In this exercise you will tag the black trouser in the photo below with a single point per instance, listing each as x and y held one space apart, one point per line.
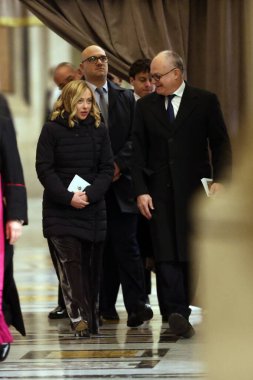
173 278
54 260
79 267
122 252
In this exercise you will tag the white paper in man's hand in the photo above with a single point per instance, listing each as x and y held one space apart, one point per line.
206 182
77 184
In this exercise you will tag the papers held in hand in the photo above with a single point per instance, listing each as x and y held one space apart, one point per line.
77 184
206 182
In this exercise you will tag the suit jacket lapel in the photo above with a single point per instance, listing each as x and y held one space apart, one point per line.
188 103
160 111
113 92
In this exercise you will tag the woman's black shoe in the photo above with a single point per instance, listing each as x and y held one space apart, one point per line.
4 351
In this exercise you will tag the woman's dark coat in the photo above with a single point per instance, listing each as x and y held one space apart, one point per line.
63 152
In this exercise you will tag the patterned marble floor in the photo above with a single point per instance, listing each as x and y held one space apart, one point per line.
49 351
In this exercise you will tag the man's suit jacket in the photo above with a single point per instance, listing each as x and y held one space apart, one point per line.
120 122
169 161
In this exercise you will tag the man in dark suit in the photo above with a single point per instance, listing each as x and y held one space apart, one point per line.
121 249
175 129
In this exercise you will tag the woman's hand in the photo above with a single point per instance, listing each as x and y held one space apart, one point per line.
79 200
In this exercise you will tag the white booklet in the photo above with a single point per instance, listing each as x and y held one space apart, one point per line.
77 184
205 183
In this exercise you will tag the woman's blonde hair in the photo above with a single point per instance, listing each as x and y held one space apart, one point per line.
67 102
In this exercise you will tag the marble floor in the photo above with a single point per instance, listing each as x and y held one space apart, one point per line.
50 351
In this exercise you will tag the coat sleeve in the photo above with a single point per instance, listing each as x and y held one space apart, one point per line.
45 167
14 189
104 175
123 157
139 152
219 142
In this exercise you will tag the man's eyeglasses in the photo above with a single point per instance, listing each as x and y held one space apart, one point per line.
157 77
94 59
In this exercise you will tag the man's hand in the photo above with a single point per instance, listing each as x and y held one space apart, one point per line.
215 189
117 173
79 200
13 231
145 204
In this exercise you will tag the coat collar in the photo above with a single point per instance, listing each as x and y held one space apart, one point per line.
188 103
113 92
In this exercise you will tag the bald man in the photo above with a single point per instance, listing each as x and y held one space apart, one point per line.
64 73
121 254
174 128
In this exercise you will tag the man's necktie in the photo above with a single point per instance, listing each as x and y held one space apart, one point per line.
102 104
170 110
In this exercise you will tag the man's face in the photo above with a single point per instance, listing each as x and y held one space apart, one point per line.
64 75
94 64
165 75
142 84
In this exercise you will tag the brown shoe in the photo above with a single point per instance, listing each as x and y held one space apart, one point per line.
180 326
81 328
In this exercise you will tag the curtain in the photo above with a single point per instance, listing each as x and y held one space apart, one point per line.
206 33
215 56
126 29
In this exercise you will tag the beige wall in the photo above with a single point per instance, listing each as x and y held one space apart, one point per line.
45 50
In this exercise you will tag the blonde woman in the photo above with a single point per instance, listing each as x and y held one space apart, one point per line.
76 142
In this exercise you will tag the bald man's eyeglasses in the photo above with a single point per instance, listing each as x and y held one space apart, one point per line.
94 59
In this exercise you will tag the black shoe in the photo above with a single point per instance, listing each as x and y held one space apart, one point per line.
4 351
180 326
110 315
137 319
58 313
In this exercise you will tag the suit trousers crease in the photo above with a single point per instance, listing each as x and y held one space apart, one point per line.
173 281
121 245
79 268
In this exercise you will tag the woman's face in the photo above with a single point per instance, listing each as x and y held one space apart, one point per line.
84 105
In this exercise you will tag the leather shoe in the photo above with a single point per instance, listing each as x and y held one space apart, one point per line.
180 326
110 315
58 313
4 351
142 315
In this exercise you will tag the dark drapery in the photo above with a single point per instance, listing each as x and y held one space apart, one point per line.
126 29
206 33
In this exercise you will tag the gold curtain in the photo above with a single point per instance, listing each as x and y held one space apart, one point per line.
13 14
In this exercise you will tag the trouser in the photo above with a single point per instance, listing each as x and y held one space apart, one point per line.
173 278
122 247
54 260
79 267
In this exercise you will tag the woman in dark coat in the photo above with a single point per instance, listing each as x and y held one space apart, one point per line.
75 142
13 213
